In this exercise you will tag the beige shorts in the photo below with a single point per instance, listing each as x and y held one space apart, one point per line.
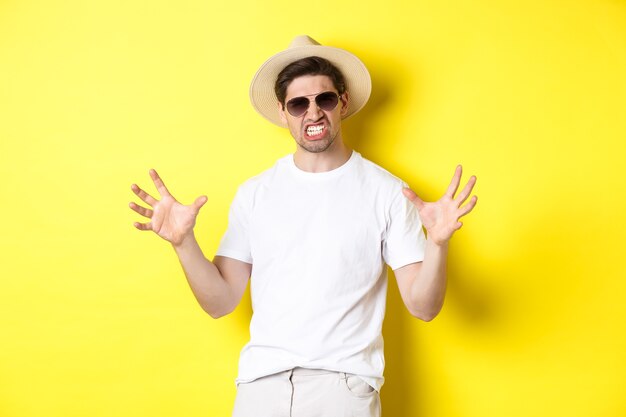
304 392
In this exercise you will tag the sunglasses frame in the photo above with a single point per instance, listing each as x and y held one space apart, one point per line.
337 95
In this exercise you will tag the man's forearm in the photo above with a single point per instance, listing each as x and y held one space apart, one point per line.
213 293
428 289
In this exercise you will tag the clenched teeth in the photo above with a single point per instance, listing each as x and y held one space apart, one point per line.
314 130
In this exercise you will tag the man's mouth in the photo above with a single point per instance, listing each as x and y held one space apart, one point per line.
315 131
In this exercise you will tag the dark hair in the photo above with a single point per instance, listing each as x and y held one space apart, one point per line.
312 65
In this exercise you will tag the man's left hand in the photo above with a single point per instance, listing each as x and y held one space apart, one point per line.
441 218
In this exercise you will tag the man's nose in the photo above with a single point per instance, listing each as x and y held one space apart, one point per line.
313 112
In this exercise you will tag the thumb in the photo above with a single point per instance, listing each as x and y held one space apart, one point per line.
200 201
413 198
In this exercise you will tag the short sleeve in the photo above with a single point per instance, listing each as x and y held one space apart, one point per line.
404 240
236 241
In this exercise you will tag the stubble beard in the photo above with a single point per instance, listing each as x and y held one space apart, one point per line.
316 146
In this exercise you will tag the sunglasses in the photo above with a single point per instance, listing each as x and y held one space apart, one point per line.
326 101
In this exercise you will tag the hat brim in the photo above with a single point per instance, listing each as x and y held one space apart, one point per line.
356 75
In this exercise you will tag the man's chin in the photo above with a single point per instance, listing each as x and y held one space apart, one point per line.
318 146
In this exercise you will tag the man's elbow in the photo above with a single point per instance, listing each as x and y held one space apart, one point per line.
425 314
216 313
427 318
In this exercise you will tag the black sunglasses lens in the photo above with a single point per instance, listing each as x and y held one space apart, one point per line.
327 101
297 106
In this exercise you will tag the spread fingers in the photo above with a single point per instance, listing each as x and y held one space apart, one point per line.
145 197
141 210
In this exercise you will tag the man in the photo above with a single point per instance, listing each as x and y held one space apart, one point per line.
313 234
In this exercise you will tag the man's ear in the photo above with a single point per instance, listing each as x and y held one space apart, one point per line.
281 113
345 103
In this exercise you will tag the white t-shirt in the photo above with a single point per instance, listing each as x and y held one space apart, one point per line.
318 244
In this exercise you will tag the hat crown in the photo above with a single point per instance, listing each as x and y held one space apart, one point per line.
303 40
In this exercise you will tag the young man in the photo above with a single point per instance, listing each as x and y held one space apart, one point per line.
314 234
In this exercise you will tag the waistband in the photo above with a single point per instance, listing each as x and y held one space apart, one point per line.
312 372
304 372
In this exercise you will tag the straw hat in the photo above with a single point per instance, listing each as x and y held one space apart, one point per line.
358 81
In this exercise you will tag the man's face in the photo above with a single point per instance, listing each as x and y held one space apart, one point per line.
315 130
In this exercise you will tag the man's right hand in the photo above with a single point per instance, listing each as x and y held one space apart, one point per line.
169 218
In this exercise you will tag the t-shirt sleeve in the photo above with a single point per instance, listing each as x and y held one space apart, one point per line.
236 241
405 240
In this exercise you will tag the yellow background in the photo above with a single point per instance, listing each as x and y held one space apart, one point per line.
96 318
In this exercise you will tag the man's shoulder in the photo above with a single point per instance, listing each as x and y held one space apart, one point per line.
375 172
265 176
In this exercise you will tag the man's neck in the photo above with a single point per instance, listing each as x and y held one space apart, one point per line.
323 161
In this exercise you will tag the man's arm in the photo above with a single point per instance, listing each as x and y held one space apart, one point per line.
423 284
218 286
